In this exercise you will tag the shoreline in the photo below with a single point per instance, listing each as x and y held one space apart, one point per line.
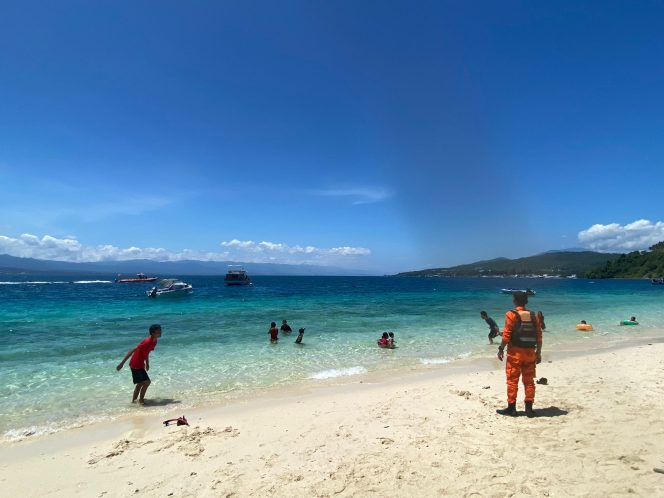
431 431
213 353
466 364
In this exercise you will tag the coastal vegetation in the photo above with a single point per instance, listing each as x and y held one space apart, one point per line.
551 264
636 264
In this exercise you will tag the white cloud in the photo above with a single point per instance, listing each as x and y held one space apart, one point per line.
70 249
239 244
613 237
128 207
360 195
252 252
350 251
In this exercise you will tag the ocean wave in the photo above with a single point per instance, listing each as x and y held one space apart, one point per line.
338 372
434 361
43 282
37 282
21 433
442 361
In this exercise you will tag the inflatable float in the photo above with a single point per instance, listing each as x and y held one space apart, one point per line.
584 326
628 322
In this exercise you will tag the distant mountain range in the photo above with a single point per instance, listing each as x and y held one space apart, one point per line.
552 263
11 265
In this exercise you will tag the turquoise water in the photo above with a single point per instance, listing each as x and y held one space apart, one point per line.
62 338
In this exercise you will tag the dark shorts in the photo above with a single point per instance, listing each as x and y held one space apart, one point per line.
493 333
139 375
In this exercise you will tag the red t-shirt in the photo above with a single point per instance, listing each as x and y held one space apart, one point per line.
142 352
274 333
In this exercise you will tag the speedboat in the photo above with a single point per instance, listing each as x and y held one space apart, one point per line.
140 277
528 292
237 276
657 281
170 287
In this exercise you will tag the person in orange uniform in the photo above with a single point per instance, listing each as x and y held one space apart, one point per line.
523 337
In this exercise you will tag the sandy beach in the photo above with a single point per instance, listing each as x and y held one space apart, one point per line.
427 432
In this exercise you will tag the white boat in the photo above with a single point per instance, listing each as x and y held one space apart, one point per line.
529 292
237 276
170 287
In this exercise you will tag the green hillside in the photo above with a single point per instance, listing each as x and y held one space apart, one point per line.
637 264
563 264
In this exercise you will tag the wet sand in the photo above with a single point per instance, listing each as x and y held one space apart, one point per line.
425 432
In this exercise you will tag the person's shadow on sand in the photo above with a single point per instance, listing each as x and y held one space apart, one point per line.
161 402
551 411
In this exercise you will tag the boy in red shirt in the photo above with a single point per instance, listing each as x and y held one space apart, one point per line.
274 333
140 363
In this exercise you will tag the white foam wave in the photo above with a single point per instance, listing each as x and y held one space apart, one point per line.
14 435
40 282
442 361
37 282
434 361
338 372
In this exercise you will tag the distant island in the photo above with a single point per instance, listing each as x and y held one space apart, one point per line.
548 264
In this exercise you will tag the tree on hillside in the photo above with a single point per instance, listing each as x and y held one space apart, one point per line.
659 247
636 264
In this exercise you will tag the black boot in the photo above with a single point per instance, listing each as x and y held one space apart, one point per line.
530 413
510 410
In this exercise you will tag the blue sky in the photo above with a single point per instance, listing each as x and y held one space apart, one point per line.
378 135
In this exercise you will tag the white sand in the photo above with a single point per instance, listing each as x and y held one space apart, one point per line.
432 432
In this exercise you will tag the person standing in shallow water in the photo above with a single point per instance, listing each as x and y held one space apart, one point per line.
493 326
140 363
285 328
540 317
523 337
273 333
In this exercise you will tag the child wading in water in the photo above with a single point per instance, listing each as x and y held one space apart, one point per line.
300 335
285 328
274 333
494 330
140 363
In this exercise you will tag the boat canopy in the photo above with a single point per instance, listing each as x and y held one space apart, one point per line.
167 282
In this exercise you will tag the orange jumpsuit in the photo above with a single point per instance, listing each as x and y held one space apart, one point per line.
520 361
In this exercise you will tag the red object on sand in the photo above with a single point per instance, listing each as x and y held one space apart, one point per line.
178 421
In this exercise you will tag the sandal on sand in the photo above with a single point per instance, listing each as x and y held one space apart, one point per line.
543 381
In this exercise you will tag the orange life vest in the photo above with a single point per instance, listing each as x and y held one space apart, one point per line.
524 334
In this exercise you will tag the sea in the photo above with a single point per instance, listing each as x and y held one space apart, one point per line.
63 336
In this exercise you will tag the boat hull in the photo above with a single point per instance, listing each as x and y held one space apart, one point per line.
170 293
512 291
170 288
237 277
